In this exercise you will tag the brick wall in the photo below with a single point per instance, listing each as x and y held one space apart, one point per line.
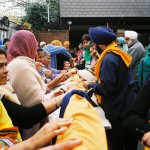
48 37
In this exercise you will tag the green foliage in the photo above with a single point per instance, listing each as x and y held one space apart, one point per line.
54 10
36 15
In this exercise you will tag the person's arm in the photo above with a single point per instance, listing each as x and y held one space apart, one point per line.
137 115
24 117
45 135
108 79
67 145
56 81
55 71
65 52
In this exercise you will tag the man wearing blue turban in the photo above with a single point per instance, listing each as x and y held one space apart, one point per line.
115 88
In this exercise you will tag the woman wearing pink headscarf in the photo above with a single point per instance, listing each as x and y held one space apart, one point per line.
24 78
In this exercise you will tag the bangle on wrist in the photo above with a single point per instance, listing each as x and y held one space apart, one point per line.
56 103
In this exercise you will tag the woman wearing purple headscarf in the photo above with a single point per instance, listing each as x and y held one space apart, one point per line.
25 80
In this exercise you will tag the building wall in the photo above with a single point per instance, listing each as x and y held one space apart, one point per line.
6 32
48 37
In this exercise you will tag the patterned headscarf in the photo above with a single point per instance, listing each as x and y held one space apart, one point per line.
22 43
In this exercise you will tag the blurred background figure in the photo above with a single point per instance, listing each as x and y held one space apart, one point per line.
56 42
58 56
79 54
95 56
144 68
1 42
86 50
136 51
42 44
67 45
121 43
5 44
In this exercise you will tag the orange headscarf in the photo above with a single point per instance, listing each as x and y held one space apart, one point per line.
56 42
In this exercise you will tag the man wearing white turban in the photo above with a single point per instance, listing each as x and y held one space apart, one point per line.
136 50
42 44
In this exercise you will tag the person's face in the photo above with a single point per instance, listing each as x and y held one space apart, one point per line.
86 43
7 43
47 60
128 41
3 69
80 46
67 47
43 45
91 49
40 56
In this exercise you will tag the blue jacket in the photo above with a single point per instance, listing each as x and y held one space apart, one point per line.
54 50
117 87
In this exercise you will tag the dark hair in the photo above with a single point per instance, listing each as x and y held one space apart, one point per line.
5 40
39 50
86 37
2 52
98 49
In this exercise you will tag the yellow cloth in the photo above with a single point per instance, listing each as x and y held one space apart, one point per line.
56 42
146 148
86 125
5 121
79 85
111 48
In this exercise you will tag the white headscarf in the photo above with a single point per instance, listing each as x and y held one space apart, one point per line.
131 34
42 43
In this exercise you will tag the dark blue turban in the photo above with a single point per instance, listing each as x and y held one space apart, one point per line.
102 35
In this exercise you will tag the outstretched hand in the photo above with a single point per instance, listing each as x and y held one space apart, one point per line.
67 145
60 78
85 85
146 139
45 135
57 93
38 66
56 81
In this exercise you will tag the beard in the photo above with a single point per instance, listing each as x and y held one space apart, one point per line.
129 42
99 50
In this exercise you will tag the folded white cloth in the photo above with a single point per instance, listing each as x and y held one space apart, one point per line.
88 76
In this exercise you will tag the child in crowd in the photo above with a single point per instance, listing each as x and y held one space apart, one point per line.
86 50
95 56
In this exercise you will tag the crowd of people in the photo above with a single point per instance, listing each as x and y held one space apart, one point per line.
30 73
